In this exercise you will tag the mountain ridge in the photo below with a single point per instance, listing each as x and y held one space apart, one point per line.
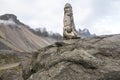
17 35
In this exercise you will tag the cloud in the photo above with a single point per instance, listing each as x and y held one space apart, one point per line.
92 14
99 10
97 15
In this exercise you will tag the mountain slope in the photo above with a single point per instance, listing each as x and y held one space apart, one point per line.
17 36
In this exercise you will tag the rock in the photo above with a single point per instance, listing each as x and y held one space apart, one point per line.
113 75
10 68
94 58
8 16
69 30
14 64
11 75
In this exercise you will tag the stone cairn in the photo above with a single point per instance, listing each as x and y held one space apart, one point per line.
69 31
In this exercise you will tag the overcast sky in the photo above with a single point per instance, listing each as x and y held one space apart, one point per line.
99 16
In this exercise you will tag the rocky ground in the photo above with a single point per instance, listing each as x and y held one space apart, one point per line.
96 58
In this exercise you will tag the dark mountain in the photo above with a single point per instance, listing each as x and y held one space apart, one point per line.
85 33
11 17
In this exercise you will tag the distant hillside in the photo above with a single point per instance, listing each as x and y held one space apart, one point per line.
15 35
44 33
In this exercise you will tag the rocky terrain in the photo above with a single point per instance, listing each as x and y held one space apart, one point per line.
15 35
96 58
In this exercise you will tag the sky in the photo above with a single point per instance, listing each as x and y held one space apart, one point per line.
99 16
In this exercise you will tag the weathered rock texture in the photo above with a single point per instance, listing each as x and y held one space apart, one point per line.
12 64
96 58
69 30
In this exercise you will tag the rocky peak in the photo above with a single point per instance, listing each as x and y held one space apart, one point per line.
86 30
10 17
85 33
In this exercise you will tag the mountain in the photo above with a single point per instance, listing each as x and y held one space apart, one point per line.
15 35
85 33
96 58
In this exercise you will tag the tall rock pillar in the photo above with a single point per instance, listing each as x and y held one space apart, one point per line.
69 31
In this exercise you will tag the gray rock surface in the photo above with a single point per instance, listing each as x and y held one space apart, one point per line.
13 64
96 58
11 75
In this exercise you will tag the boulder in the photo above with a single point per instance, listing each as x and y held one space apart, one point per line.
96 58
